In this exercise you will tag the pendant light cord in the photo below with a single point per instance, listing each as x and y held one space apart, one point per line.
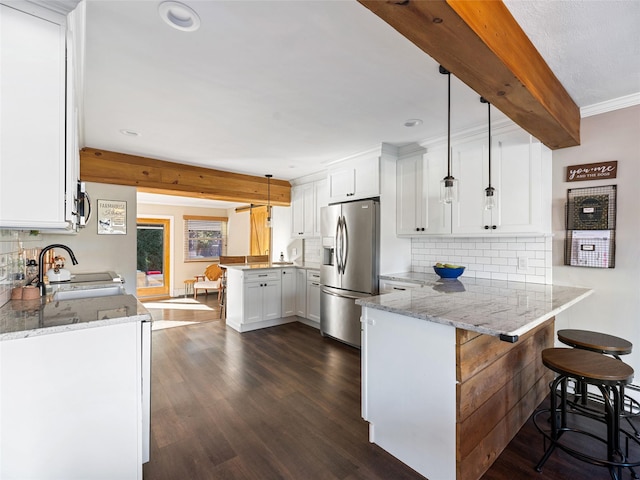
484 100
489 115
449 124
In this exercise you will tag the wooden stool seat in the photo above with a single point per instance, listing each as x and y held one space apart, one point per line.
595 341
587 365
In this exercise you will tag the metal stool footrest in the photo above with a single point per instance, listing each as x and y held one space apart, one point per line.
561 418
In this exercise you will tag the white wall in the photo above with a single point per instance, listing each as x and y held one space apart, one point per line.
180 270
280 232
240 231
614 308
98 253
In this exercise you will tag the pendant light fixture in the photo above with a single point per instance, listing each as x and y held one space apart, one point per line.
268 200
448 185
489 192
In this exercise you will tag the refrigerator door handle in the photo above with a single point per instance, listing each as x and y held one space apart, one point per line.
338 225
343 295
345 235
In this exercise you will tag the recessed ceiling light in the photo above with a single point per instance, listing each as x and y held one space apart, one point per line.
129 133
414 122
179 16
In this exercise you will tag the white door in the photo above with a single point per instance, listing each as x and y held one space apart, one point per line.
288 292
469 167
271 300
409 197
252 302
301 293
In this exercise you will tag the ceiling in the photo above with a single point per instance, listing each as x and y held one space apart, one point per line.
287 87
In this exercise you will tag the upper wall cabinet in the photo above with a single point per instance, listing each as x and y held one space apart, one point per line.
39 153
520 173
306 201
354 179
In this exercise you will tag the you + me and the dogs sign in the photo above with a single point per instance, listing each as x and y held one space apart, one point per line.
592 171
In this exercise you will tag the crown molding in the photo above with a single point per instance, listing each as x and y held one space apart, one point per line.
610 105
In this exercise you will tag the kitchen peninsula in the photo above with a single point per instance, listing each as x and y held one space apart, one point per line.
261 295
75 388
451 369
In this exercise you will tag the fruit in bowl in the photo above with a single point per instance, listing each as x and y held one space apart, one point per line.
448 270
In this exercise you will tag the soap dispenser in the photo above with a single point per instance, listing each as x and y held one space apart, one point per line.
281 257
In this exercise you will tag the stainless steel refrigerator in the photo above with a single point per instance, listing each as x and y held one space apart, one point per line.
349 268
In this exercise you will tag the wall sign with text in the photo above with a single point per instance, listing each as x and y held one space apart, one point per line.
112 217
592 171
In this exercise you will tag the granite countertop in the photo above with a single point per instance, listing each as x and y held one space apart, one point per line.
266 266
493 307
42 316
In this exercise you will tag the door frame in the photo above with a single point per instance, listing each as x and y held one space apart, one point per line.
167 222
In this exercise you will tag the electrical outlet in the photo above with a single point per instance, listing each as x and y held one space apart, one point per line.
523 263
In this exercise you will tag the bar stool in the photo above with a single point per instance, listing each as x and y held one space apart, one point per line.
607 345
607 375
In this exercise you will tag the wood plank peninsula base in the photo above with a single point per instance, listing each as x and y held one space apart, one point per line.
500 386
444 400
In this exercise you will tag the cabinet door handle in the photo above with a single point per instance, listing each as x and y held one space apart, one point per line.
398 288
263 275
417 229
493 227
423 229
486 227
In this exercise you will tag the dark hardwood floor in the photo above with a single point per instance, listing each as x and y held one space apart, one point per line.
282 403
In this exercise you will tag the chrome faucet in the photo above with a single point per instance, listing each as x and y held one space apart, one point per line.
41 284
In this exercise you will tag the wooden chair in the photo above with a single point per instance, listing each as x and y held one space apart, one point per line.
211 280
233 259
257 258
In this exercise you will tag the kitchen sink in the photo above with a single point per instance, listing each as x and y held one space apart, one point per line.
94 277
88 293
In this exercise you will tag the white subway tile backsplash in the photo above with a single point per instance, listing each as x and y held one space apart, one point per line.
491 257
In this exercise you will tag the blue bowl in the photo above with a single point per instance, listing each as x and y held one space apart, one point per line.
450 273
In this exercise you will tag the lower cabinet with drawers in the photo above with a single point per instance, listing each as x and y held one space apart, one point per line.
265 297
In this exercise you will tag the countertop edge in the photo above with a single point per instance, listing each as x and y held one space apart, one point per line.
553 313
86 313
266 266
483 329
73 326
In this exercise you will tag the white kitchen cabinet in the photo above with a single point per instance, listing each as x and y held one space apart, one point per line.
418 176
302 210
321 199
73 403
520 175
313 295
412 193
254 298
354 179
263 296
301 293
288 292
39 152
306 201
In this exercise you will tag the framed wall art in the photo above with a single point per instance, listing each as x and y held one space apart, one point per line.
112 217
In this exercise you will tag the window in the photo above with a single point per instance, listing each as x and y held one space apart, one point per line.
205 238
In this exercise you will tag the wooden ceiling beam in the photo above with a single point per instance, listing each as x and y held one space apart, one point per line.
481 44
159 176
